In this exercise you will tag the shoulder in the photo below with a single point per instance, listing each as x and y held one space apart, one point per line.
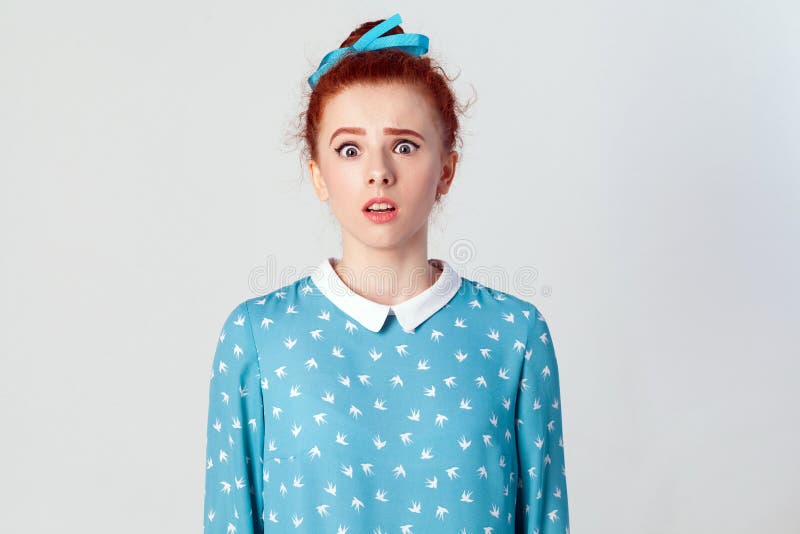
266 308
496 300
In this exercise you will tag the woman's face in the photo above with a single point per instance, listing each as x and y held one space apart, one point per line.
381 141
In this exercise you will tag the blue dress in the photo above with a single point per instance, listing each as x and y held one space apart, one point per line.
332 413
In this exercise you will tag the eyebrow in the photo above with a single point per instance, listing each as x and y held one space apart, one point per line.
388 131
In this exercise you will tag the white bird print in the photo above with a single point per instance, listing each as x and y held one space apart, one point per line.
211 515
523 384
415 508
217 425
316 334
322 510
280 295
452 472
495 511
273 516
503 373
432 483
422 365
347 470
283 489
357 504
294 391
508 317
551 425
344 380
337 352
364 379
324 315
461 356
379 443
395 380
499 296
508 435
399 471
239 320
354 411
405 437
482 473
401 350
298 481
426 454
546 371
464 443
306 289
430 392
314 452
414 415
553 515
367 469
532 471
350 327
223 368
528 354
440 419
252 423
226 487
291 308
311 363
502 461
328 397
296 520
485 352
374 354
264 383
557 492
450 382
342 529
405 529
494 334
526 313
222 336
380 495
380 404
320 418
280 372
237 351
276 412
543 338
474 304
289 342
341 439
296 429
487 440
465 404
435 335
466 496
506 403
265 322
459 323
271 447
555 404
242 391
331 488
440 511
209 463
480 382
519 346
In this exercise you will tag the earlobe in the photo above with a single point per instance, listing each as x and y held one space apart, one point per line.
317 181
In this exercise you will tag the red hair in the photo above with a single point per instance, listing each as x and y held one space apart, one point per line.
388 65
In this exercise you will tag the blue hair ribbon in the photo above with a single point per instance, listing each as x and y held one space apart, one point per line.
413 43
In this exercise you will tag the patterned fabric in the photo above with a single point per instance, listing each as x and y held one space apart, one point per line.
318 424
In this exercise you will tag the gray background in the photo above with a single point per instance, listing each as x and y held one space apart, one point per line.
639 158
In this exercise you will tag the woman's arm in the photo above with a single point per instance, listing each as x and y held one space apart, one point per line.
235 436
542 493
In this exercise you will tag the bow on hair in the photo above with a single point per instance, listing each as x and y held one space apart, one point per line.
414 43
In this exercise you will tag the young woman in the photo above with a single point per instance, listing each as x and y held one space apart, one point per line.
337 406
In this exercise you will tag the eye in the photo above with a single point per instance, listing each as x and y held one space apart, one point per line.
348 152
406 142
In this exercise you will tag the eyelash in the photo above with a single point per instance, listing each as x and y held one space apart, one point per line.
402 141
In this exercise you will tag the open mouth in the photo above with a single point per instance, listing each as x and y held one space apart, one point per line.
381 210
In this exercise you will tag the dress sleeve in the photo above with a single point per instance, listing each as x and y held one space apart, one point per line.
541 505
235 433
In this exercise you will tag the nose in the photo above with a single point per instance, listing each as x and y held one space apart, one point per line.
381 172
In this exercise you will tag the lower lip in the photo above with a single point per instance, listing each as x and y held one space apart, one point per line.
380 217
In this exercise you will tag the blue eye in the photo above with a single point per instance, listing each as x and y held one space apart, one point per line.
348 154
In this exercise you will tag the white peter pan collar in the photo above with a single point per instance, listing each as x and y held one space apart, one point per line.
410 313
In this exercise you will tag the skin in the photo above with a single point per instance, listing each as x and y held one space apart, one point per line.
384 262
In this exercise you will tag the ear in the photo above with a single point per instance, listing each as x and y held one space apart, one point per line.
320 188
449 163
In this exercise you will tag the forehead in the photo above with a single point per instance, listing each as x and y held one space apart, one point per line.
399 105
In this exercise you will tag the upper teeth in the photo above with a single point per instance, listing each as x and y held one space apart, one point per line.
379 206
